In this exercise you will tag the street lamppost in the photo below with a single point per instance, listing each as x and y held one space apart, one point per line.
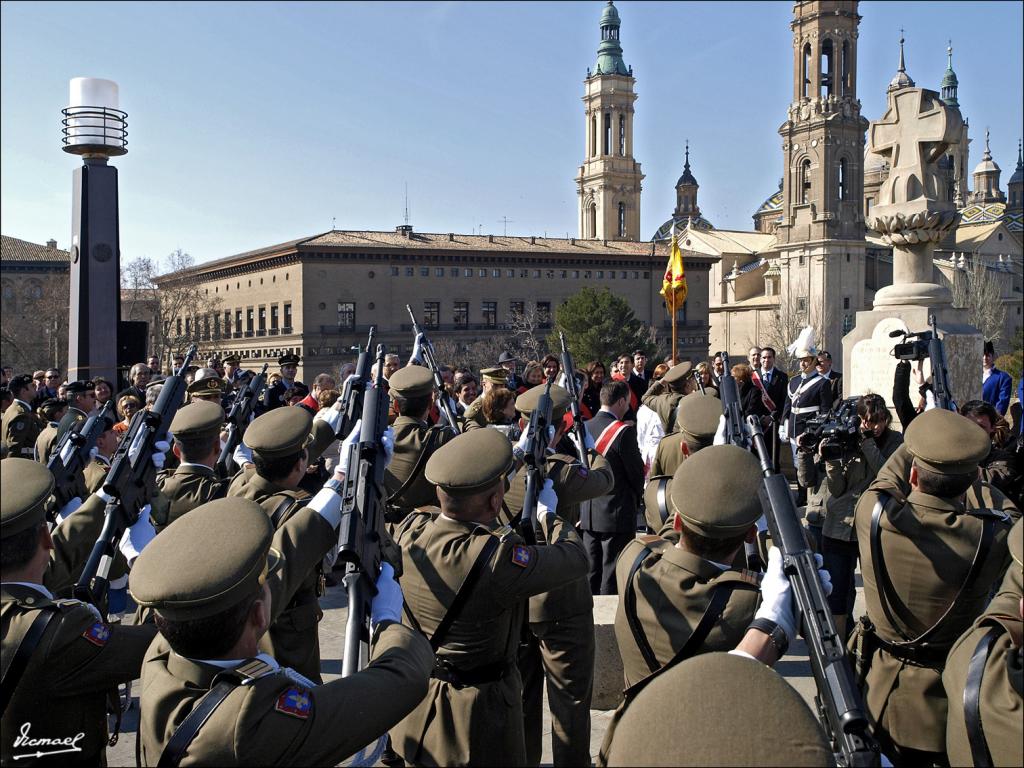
95 129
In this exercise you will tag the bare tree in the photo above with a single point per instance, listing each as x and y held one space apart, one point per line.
473 355
527 330
977 289
795 312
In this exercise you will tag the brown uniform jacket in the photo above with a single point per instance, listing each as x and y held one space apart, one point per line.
669 454
279 720
187 487
44 442
479 724
573 484
95 473
928 544
73 540
411 440
664 404
63 690
1000 703
672 588
293 637
20 428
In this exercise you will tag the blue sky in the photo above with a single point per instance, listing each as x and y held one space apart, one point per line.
256 123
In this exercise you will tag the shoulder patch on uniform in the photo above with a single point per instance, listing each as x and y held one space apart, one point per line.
521 555
751 577
97 634
582 471
648 538
296 702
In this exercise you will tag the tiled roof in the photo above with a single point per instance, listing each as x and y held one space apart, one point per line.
13 249
665 230
773 203
456 242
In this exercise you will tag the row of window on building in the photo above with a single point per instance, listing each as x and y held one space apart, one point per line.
238 323
511 274
432 317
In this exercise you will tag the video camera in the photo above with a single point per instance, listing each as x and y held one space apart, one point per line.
914 346
838 431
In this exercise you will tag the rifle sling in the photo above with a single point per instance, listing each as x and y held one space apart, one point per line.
417 469
887 595
629 605
972 699
19 660
662 497
223 684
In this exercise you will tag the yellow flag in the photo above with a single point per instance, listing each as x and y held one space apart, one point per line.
673 285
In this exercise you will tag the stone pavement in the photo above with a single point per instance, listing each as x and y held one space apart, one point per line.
794 667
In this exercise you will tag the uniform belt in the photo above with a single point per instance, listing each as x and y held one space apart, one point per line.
806 409
487 673
920 655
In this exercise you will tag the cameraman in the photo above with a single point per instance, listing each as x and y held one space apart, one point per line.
849 467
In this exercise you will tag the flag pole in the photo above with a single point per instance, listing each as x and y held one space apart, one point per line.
674 346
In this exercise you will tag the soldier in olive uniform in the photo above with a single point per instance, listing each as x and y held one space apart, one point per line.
206 386
60 658
95 471
984 676
20 426
234 375
282 446
663 398
473 714
216 579
196 430
928 565
679 599
560 644
81 398
489 379
412 390
695 425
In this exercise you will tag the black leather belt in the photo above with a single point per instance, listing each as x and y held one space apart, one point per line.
449 673
921 656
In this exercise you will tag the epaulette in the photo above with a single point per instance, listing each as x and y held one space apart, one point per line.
648 538
751 577
502 532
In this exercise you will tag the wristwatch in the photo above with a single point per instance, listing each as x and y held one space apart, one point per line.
336 485
774 632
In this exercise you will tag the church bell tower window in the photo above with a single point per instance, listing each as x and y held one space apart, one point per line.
622 135
806 74
622 219
805 182
842 186
827 73
607 133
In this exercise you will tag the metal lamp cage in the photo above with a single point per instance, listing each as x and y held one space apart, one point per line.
93 131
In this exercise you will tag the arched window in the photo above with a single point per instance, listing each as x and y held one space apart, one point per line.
622 135
842 186
827 72
847 69
592 223
593 135
622 219
607 133
805 76
805 182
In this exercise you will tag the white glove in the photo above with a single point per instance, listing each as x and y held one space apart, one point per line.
547 500
388 441
784 431
346 447
94 452
777 596
387 603
416 358
332 416
823 576
520 446
720 432
159 449
242 455
136 537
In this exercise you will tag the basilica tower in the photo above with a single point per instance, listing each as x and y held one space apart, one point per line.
608 182
821 234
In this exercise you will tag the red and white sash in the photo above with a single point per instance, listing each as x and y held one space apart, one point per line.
608 435
765 399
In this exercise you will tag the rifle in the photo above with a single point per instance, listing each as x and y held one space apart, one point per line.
238 418
444 402
574 402
127 486
700 381
536 454
840 708
354 389
940 375
730 395
362 520
74 451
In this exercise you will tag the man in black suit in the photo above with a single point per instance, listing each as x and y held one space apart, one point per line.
608 523
772 385
639 380
835 377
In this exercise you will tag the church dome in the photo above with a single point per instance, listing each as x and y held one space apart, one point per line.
873 162
665 230
610 16
987 164
901 79
1018 174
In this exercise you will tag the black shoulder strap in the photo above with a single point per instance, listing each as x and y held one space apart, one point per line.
662 497
437 640
223 684
283 511
886 591
421 461
15 668
629 605
972 699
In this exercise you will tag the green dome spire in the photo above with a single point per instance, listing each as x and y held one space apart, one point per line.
949 81
609 52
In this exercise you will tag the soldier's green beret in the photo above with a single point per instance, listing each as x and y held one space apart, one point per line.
677 374
280 432
232 358
411 381
198 419
690 715
27 485
471 463
698 416
207 387
208 561
495 375
657 494
526 403
946 443
715 491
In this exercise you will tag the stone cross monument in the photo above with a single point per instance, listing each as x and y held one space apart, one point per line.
912 217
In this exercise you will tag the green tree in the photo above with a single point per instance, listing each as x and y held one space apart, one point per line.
599 325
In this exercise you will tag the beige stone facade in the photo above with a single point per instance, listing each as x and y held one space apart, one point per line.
35 281
318 296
